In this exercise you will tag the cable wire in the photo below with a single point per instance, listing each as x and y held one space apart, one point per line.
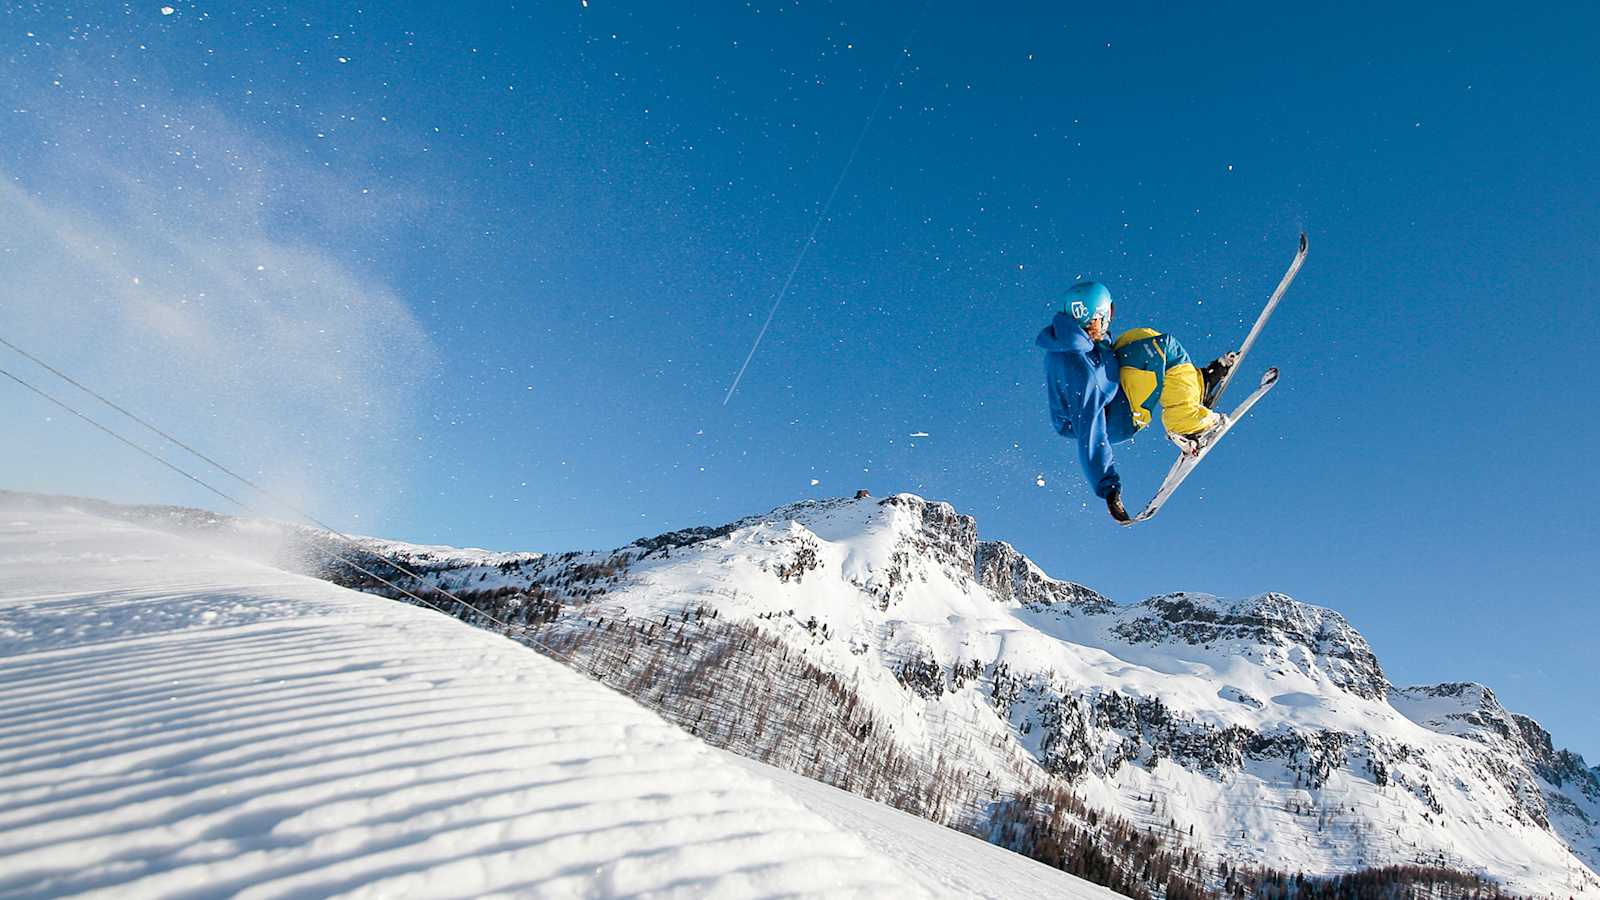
510 628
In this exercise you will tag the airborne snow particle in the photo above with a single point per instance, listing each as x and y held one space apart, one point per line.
344 59
919 434
1039 479
167 10
815 482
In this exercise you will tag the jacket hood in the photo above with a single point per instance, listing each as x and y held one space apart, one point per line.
1064 335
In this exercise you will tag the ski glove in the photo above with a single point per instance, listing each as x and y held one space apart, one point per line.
1114 504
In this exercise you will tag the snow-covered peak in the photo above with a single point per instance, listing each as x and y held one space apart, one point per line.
872 548
1014 578
1461 708
1271 620
933 528
1469 710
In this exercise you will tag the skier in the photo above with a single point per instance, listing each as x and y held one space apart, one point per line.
1102 393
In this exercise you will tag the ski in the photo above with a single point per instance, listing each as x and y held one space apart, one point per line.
1186 463
1266 313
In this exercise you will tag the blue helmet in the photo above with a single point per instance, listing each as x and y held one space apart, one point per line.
1085 300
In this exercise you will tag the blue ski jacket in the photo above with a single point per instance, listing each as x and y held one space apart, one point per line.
1080 378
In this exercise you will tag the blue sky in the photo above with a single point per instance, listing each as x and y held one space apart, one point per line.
484 278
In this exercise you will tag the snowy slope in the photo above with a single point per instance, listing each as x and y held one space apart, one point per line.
1262 729
177 722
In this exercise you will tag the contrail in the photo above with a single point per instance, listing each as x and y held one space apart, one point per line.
826 205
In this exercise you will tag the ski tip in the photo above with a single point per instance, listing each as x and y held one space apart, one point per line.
1302 242
1269 376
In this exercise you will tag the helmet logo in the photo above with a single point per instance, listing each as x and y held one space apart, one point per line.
1079 311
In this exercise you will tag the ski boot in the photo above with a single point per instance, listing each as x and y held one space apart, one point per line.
1214 373
1193 444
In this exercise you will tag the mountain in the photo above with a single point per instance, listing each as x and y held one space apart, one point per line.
1260 731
